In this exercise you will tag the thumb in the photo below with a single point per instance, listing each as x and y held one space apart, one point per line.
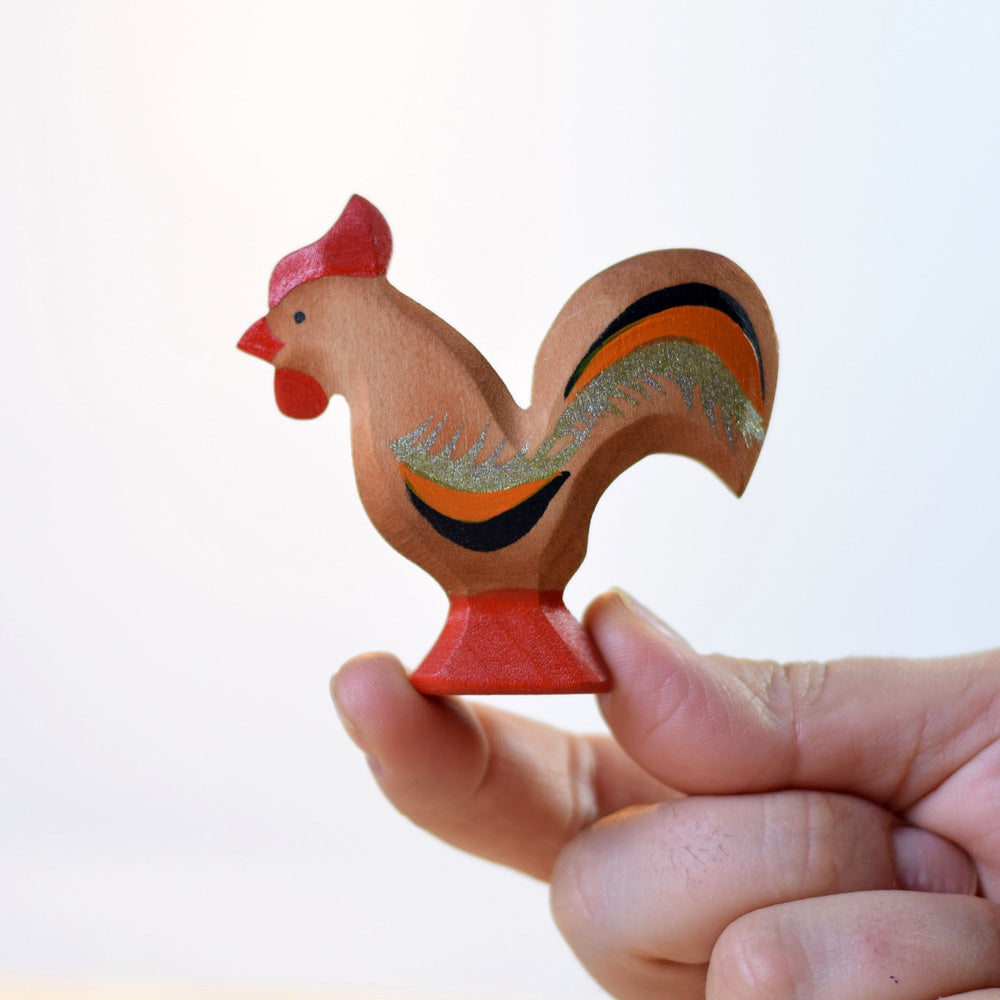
888 730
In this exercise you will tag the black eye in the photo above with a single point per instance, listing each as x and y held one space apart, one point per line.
299 317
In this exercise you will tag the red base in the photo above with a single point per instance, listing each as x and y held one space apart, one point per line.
511 642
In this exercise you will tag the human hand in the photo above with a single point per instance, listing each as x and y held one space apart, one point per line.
748 830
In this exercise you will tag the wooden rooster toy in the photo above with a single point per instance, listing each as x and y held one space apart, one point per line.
672 351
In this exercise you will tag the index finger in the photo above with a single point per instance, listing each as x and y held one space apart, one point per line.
507 788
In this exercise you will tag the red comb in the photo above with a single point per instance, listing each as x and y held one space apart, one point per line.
359 244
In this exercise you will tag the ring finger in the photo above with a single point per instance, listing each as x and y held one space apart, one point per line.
861 946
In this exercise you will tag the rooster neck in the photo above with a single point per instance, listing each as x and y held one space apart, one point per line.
396 363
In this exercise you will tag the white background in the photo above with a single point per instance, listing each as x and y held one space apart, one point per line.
182 568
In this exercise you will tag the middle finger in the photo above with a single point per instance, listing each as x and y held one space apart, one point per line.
652 888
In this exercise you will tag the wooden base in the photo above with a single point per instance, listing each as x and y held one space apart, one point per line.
511 642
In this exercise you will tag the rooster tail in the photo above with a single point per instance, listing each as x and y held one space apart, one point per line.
681 366
688 366
693 312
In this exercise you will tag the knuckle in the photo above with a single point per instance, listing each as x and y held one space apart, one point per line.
820 849
807 681
827 843
798 687
581 807
791 693
800 829
783 692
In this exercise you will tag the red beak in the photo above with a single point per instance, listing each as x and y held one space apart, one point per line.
259 341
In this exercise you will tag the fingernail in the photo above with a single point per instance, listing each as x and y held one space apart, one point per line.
640 611
925 862
346 721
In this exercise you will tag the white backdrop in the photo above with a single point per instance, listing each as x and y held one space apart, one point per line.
182 568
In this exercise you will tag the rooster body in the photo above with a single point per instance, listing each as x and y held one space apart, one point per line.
668 351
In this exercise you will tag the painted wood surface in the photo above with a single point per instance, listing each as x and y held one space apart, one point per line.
670 351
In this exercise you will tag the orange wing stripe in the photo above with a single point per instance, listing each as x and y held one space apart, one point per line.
700 324
463 506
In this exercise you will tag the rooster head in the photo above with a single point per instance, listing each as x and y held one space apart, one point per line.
358 244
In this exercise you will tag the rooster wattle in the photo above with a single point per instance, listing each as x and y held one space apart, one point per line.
671 351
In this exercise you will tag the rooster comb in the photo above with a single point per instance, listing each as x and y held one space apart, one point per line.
358 244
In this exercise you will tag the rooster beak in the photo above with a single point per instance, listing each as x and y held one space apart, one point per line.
259 341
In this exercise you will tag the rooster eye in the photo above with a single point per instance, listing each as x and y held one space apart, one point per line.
299 317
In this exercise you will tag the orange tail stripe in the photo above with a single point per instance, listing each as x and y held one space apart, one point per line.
700 324
464 506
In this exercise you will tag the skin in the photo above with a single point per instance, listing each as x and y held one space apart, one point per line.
747 831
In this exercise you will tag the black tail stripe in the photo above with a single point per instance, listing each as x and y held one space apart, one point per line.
694 293
495 532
